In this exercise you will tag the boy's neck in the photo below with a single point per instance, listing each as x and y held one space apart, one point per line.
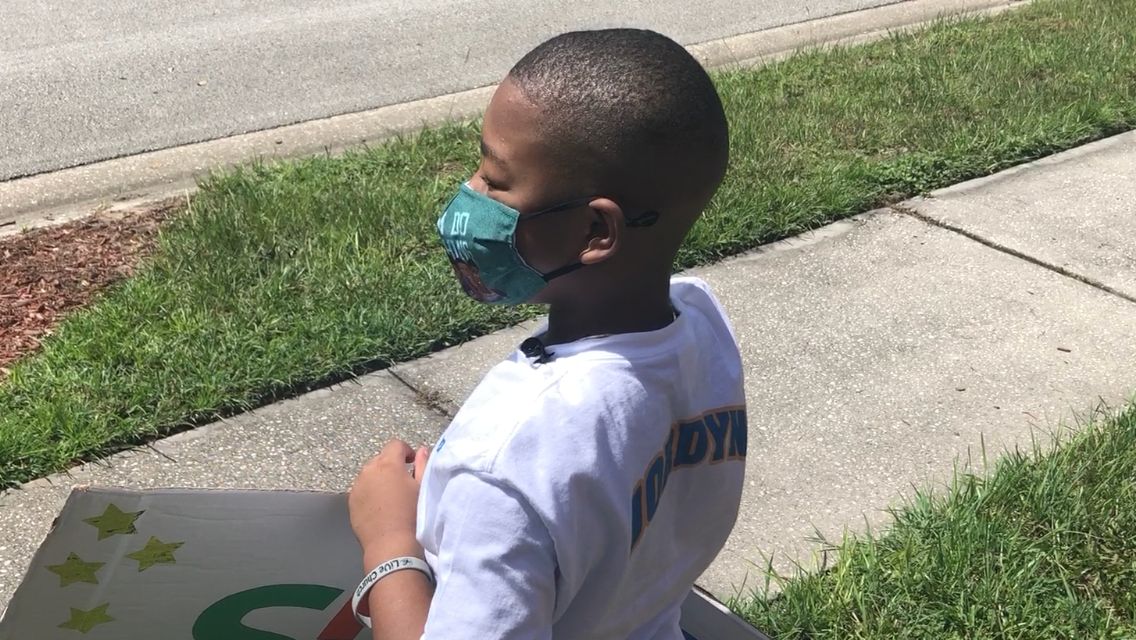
646 308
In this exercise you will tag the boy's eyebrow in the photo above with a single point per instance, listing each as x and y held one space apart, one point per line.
488 152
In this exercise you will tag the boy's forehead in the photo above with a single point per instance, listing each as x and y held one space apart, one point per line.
510 129
514 138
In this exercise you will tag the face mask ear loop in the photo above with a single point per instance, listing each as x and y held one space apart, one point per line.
564 206
645 219
562 271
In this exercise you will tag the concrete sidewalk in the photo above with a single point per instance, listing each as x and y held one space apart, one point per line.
879 352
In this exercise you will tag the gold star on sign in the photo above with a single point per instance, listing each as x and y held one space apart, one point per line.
114 521
74 569
84 621
155 552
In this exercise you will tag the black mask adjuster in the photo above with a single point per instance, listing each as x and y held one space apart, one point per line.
534 348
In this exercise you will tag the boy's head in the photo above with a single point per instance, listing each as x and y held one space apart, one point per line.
624 122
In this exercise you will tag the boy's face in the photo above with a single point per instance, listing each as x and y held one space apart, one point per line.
518 169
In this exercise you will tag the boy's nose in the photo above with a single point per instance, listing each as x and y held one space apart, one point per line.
478 184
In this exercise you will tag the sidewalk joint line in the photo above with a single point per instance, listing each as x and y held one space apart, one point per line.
431 399
914 213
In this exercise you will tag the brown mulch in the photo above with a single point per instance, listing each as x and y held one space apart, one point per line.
46 272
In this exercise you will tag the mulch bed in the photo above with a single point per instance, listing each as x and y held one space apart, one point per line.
46 272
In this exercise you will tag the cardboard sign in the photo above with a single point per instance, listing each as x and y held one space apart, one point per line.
216 565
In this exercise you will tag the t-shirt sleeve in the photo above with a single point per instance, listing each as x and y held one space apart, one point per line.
495 567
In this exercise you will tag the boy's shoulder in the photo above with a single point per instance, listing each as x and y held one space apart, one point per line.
695 293
526 411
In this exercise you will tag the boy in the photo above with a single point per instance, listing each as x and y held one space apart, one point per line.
592 476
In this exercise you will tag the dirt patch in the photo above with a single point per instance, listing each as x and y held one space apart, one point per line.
44 273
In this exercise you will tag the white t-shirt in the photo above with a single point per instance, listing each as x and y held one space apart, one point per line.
582 497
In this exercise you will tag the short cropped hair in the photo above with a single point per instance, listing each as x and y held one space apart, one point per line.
628 100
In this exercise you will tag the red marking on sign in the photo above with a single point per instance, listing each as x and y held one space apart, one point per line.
343 626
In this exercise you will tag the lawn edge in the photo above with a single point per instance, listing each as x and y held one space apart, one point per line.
142 179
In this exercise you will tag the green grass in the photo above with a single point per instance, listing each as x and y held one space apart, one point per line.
1043 548
287 276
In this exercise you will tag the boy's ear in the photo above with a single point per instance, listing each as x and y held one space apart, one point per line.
606 232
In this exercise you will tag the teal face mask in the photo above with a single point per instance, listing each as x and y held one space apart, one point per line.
480 238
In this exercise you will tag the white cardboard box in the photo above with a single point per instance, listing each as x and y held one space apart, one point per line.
216 565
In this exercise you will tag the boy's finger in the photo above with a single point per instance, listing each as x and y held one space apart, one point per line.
397 449
420 459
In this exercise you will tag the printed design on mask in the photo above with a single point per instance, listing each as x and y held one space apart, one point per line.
715 436
472 284
461 258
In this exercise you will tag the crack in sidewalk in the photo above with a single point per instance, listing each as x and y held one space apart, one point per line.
433 400
914 213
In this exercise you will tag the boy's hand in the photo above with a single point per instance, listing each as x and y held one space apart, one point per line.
383 503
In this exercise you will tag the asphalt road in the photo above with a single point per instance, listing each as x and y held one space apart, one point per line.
106 78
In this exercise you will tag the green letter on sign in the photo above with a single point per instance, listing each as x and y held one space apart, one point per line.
222 620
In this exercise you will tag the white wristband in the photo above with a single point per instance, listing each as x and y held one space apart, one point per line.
380 572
